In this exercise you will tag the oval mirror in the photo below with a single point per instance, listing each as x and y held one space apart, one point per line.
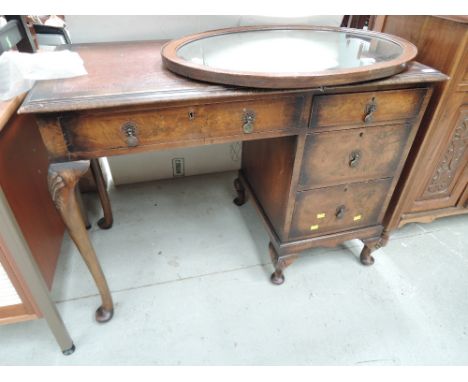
287 56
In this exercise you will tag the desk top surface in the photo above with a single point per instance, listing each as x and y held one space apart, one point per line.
132 73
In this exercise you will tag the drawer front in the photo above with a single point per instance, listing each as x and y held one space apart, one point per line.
95 132
366 108
352 155
339 208
104 131
239 118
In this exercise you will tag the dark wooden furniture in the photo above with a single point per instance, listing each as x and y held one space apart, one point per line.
357 21
31 230
320 164
23 178
370 22
435 181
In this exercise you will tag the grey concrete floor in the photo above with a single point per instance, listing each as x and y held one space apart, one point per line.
189 272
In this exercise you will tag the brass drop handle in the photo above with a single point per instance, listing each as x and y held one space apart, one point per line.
354 158
370 109
130 131
340 211
249 119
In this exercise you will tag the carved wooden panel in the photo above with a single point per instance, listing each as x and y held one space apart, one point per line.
452 160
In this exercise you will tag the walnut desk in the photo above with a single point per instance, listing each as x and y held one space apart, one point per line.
321 164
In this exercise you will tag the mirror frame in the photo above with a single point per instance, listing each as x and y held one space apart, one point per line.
292 80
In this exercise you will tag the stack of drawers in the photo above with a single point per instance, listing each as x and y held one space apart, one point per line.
351 158
334 179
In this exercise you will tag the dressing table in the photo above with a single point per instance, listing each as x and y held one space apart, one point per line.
321 158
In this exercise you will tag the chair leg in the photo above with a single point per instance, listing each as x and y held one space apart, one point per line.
107 221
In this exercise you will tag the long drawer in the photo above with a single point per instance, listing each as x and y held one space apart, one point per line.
339 208
352 155
102 131
363 109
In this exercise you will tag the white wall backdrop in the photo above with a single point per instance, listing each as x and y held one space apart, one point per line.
199 160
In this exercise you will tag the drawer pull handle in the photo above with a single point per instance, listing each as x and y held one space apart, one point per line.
249 119
340 211
130 131
371 107
354 158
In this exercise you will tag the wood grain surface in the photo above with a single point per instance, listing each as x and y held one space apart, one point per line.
132 73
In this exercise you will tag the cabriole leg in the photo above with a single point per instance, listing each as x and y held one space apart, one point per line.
366 258
280 263
63 179
107 221
371 245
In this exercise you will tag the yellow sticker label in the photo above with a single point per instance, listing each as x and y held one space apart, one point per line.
314 227
357 217
321 215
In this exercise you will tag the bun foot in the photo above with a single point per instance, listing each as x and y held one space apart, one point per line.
366 257
277 278
69 351
104 315
240 200
103 224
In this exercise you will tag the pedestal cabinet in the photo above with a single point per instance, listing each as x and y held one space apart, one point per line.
335 180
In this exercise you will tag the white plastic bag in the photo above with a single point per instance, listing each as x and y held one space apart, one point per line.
19 71
12 81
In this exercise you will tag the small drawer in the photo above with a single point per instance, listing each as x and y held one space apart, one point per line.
339 208
364 109
102 131
239 118
352 155
132 128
